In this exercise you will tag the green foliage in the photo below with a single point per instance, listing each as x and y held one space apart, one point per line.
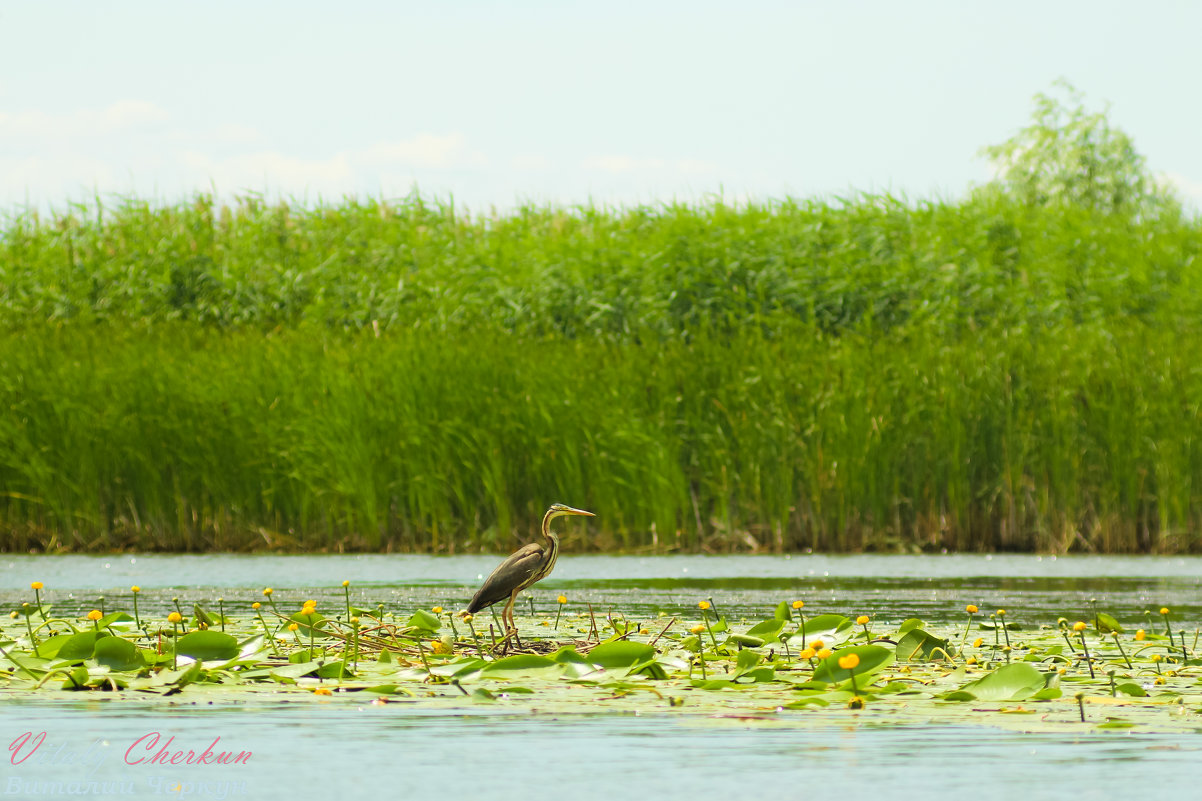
864 375
643 673
1014 682
826 627
424 621
118 654
207 645
873 659
921 646
1070 155
620 654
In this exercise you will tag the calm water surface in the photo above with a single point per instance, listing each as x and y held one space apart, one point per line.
316 747
1037 589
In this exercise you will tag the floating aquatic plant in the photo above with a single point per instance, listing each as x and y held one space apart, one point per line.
906 668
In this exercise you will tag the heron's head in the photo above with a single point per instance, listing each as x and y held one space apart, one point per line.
559 510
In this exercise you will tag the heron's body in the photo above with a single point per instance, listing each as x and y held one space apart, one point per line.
528 564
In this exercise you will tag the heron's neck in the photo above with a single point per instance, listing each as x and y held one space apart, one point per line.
547 518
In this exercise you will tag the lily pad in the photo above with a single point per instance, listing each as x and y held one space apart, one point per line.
207 645
1014 682
79 646
873 659
621 654
118 654
825 627
522 666
920 646
425 621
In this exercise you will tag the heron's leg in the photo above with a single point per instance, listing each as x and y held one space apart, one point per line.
507 615
509 621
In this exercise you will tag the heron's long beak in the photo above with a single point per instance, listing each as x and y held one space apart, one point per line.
571 511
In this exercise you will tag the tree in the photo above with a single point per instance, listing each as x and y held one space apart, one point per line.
1071 155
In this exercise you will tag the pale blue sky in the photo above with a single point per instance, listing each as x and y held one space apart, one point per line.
568 102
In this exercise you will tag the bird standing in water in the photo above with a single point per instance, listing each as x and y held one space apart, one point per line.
528 564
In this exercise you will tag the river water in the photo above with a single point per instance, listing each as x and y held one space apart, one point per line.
310 748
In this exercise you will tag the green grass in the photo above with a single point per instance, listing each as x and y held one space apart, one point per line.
876 374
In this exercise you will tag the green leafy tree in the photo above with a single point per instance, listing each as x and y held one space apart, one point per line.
1071 155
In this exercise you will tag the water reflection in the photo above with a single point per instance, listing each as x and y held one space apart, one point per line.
341 747
1032 589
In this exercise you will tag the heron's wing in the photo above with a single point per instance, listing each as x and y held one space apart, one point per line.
513 572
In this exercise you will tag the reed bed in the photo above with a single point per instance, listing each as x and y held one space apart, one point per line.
870 374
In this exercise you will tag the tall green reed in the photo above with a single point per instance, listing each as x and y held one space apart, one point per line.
868 374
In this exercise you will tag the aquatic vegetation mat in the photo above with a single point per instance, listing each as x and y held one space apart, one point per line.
787 667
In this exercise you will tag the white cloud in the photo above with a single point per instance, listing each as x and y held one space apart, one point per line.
340 173
448 151
1188 188
620 164
696 167
628 164
235 134
124 115
270 169
529 163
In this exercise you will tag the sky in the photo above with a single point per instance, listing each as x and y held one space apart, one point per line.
499 104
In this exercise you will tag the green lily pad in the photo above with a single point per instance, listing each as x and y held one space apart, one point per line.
1132 689
425 621
309 625
1115 723
873 659
917 645
767 630
522 666
621 654
49 647
118 654
207 645
746 660
79 646
910 624
1014 682
824 627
